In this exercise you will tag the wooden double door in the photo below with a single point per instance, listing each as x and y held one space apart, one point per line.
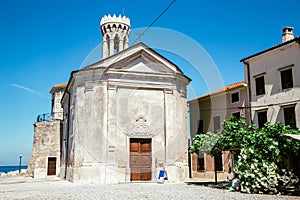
140 159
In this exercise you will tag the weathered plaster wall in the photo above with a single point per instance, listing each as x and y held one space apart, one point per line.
107 114
57 111
139 114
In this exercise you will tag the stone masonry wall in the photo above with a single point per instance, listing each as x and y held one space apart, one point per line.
46 143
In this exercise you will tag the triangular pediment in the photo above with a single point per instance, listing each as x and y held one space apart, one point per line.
140 66
138 58
141 61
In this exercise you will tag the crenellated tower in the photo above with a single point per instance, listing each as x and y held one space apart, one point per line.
115 31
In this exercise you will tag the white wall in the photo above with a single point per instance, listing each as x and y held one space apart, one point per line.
270 63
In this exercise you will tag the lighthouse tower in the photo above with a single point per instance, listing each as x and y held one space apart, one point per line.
115 31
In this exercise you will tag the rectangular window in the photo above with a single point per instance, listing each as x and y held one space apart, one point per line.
235 97
286 79
200 126
217 124
289 116
262 118
201 162
236 115
260 85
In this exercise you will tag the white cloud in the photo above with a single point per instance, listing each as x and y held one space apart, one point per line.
27 89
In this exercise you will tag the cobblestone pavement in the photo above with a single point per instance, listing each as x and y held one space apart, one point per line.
45 189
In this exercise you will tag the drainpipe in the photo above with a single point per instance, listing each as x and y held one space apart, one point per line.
68 133
189 159
249 90
189 143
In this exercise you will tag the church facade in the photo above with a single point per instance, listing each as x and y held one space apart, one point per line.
124 117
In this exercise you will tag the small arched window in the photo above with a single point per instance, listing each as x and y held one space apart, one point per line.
124 42
107 38
114 27
116 43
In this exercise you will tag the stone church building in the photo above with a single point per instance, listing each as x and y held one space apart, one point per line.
124 117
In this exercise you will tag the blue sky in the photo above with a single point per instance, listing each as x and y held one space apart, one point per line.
42 41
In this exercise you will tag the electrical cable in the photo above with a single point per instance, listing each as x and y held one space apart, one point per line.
139 37
163 12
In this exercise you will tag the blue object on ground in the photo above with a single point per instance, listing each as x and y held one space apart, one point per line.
161 174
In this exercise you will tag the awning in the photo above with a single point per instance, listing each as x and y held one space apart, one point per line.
293 136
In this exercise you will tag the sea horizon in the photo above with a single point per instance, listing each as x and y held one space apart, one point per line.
10 168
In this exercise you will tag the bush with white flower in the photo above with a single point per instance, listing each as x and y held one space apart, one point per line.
261 165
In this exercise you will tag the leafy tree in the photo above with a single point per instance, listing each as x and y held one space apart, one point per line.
204 143
261 163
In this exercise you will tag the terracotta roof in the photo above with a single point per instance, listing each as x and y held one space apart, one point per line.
224 89
60 85
297 39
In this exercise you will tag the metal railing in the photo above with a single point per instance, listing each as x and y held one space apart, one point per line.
43 117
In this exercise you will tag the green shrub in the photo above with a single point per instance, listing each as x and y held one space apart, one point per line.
260 165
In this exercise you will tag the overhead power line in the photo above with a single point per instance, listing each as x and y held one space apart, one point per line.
155 20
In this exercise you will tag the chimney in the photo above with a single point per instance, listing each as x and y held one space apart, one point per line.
287 34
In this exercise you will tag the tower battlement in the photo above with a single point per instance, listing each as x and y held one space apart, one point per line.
115 31
114 19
